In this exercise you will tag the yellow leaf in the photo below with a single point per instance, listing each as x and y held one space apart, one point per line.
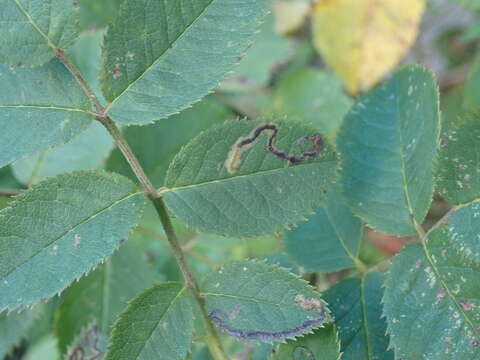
363 39
290 15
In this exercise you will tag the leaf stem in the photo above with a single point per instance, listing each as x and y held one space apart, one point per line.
212 340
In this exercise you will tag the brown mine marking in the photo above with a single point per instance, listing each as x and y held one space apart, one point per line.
308 304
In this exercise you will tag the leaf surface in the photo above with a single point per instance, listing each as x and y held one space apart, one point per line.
322 344
330 240
357 310
157 325
388 143
39 108
437 317
255 301
363 40
75 155
261 196
99 297
154 145
31 30
60 229
458 177
160 57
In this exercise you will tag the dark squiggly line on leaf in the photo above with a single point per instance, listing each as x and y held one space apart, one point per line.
218 317
246 142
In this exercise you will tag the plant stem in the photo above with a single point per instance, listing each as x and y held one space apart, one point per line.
212 340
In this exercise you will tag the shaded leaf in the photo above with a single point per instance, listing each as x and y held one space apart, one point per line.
261 196
31 30
363 40
60 229
157 325
357 310
13 328
471 101
322 344
330 241
154 145
75 155
312 96
388 143
99 297
39 108
437 281
458 177
160 57
255 301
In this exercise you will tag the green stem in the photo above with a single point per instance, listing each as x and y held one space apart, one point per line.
212 340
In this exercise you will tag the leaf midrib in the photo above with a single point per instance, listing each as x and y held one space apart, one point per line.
45 107
110 105
34 24
263 172
364 317
83 221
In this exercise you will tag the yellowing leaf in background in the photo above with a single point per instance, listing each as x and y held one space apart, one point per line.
290 15
363 39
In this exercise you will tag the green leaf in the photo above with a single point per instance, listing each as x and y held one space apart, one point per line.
357 310
46 348
255 301
431 296
388 143
13 328
269 51
31 30
60 229
157 325
458 177
313 96
95 14
322 344
157 144
99 297
39 108
261 196
330 241
162 56
75 155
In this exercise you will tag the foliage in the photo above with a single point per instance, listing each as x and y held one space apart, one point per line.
208 179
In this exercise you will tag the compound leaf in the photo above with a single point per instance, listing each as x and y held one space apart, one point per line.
162 56
255 301
431 296
330 240
60 229
157 325
259 197
32 30
98 298
388 144
39 108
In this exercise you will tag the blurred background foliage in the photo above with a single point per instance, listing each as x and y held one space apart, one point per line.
309 62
